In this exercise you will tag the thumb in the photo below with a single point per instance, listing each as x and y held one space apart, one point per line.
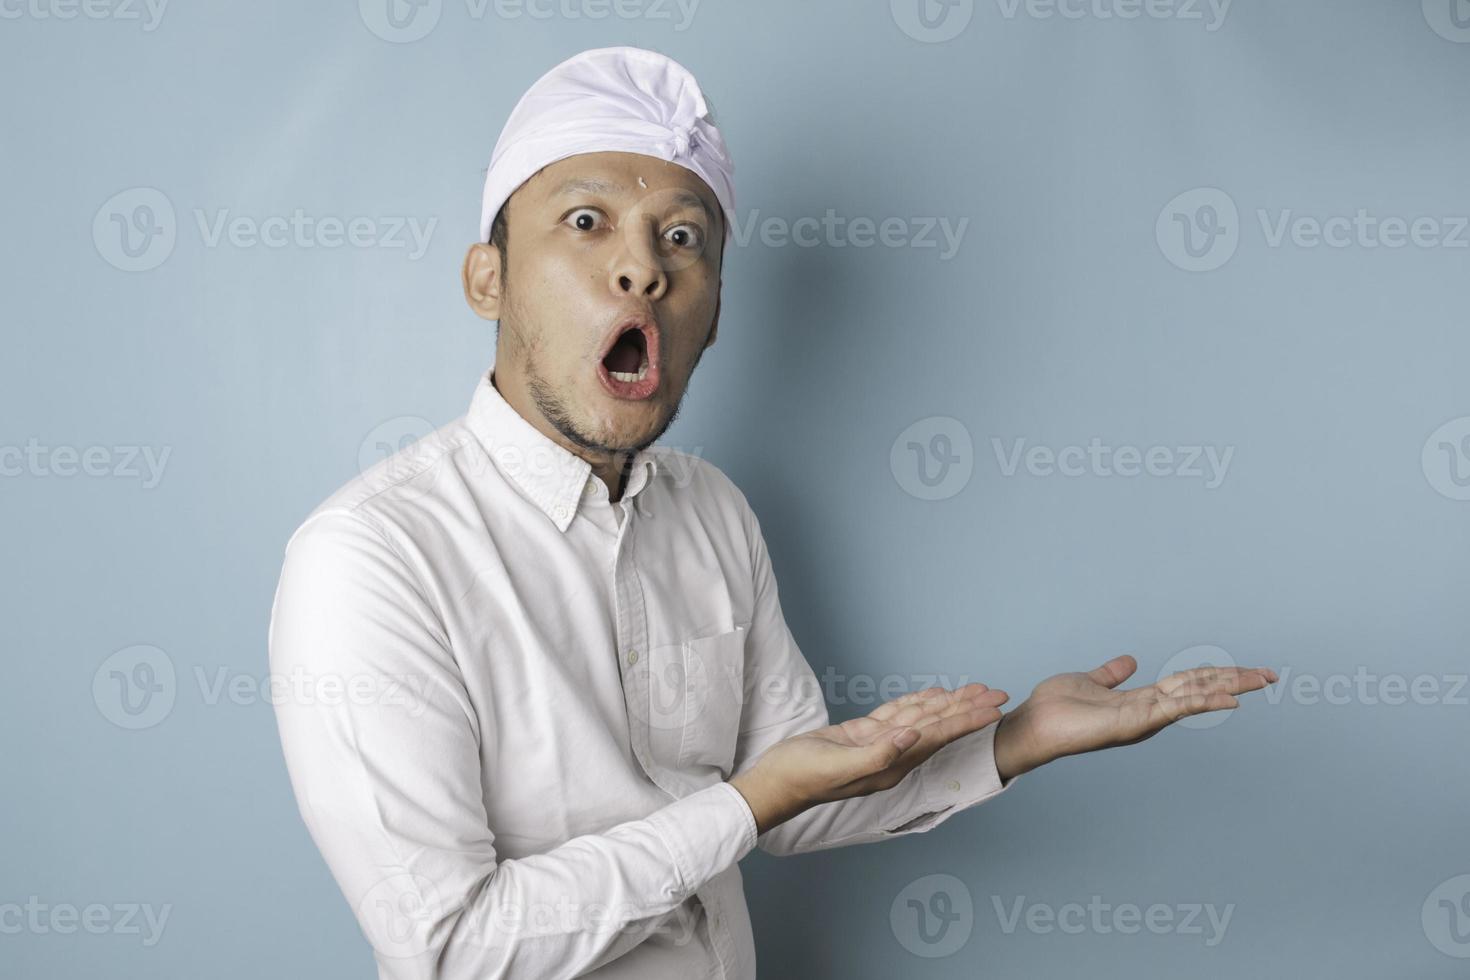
1114 672
903 740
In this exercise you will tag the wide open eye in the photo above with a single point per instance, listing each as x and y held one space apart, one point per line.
585 219
685 236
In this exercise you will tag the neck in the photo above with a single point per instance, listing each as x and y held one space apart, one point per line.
609 467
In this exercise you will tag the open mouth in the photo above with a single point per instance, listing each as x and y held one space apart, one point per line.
629 369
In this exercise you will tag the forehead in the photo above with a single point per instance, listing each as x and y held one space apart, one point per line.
621 175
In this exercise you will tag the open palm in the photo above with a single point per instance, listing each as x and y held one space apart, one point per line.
1083 711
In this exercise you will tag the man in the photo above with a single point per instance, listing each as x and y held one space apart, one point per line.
569 701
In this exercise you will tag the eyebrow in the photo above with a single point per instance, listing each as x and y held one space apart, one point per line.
596 185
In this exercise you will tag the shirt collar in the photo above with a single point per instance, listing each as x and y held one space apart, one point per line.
552 477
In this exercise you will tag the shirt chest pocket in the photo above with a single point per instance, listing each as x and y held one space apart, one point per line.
696 693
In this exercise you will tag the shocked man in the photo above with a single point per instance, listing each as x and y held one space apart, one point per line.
569 701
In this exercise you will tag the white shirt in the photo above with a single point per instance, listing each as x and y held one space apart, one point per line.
516 705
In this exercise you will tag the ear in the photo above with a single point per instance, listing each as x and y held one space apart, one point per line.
481 277
714 327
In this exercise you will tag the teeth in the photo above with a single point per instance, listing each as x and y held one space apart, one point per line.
630 376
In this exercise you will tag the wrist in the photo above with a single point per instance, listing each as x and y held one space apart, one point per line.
1014 756
768 804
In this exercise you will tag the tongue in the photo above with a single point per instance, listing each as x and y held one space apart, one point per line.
626 355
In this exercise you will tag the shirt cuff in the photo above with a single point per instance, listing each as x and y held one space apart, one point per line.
706 832
958 776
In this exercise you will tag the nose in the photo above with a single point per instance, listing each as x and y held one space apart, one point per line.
637 269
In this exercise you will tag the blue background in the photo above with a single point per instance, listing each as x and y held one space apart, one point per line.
271 374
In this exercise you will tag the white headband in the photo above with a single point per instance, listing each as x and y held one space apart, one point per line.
609 99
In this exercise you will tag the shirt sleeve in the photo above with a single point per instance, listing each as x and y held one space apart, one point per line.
384 754
783 698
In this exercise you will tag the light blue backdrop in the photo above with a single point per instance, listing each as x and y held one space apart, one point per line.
1176 229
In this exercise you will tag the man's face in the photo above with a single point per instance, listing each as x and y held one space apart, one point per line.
602 246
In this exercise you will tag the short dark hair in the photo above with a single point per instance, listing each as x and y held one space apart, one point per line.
500 234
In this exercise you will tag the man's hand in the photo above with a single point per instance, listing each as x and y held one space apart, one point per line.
863 755
1080 712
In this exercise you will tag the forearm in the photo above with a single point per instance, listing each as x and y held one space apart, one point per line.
957 777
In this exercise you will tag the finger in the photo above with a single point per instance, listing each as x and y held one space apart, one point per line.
941 731
1236 680
888 709
865 730
1246 680
1114 672
987 699
1171 709
919 716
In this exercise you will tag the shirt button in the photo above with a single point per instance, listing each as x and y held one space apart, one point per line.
632 657
954 785
560 511
588 488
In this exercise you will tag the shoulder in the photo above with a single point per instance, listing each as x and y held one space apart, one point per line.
699 479
376 514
